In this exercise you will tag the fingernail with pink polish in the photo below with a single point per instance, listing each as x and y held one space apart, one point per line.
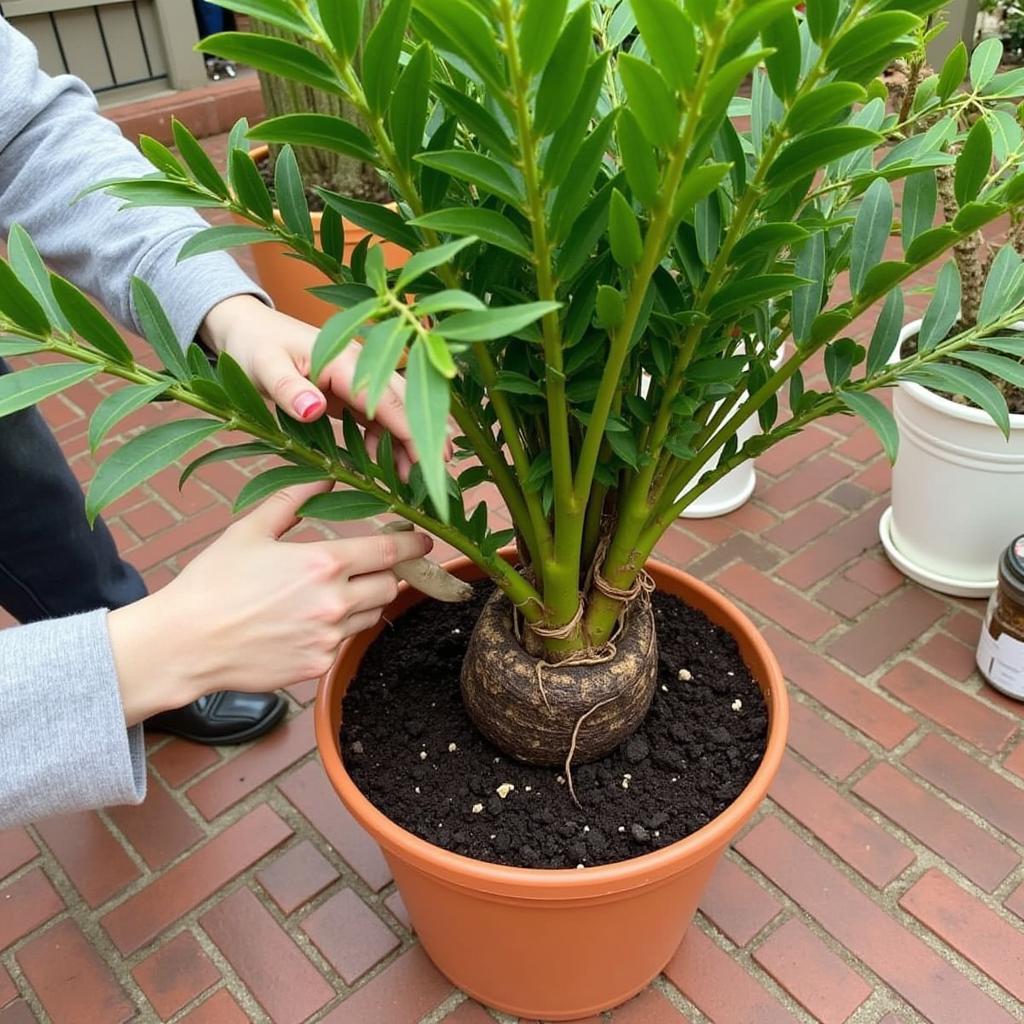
307 403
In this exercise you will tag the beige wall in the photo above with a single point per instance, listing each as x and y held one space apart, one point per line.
114 45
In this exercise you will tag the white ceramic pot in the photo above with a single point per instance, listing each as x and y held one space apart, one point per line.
957 490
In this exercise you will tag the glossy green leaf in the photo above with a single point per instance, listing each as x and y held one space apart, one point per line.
488 225
958 380
142 457
28 267
249 187
418 265
807 299
157 192
564 73
651 101
343 506
876 416
782 34
768 239
157 330
870 232
944 309
275 56
120 404
461 28
273 480
696 185
248 449
997 295
407 111
821 18
374 217
985 62
477 119
867 36
885 336
447 301
741 294
1009 370
668 35
343 22
810 152
426 404
440 355
19 305
974 163
337 332
823 105
242 392
638 158
198 162
539 31
954 70
494 323
381 52
927 245
920 199
161 157
291 195
564 145
322 131
277 12
13 346
383 345
230 236
610 306
89 323
479 170
624 235
578 186
24 388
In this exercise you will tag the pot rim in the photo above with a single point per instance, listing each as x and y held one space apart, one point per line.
935 401
569 883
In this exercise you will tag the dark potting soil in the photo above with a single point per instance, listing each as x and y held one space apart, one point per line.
373 189
412 750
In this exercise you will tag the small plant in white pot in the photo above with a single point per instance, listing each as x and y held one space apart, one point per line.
958 484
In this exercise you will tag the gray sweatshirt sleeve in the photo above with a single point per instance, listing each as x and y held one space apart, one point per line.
54 144
63 742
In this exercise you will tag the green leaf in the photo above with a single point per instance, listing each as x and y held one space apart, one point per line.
624 236
322 131
381 52
120 404
337 332
868 36
477 169
877 417
668 35
440 355
462 30
651 101
343 506
821 18
19 305
840 359
198 162
157 330
518 384
943 310
273 480
1009 370
157 192
539 31
236 451
920 198
161 157
374 217
808 153
275 56
488 225
564 145
332 234
480 121
807 299
782 34
494 323
610 306
578 185
745 292
819 108
1013 346
624 446
426 404
768 239
638 159
870 232
447 301
89 323
884 276
277 12
242 392
250 189
696 185
382 347
10 346
418 265
28 266
291 194
142 457
998 290
343 22
564 73
27 387
985 62
973 164
927 245
956 380
953 71
228 237
886 334
407 111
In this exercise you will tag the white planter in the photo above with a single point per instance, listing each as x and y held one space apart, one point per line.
957 490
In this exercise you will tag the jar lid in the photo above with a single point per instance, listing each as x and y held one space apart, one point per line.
1011 567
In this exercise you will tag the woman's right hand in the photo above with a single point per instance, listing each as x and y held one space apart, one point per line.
253 612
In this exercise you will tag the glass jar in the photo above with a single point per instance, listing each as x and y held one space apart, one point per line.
1000 654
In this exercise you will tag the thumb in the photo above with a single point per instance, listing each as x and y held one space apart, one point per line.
278 377
280 512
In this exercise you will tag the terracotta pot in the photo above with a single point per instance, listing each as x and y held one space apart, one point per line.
556 944
287 279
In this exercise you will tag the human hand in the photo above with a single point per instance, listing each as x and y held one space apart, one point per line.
275 351
252 612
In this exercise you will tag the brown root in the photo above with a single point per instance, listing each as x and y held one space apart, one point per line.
535 716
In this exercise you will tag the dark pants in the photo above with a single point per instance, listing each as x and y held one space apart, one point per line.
210 18
51 562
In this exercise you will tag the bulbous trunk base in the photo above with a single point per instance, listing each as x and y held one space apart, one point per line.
533 718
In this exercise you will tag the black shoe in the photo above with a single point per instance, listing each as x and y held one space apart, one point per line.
219 719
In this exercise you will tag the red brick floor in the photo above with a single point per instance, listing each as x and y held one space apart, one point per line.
882 882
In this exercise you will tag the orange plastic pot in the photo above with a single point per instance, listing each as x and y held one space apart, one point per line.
287 280
556 944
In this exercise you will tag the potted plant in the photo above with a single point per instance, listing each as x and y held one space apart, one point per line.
559 251
962 426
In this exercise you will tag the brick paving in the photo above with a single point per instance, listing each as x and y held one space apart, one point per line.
881 883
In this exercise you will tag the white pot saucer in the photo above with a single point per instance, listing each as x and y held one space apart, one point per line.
933 581
704 509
